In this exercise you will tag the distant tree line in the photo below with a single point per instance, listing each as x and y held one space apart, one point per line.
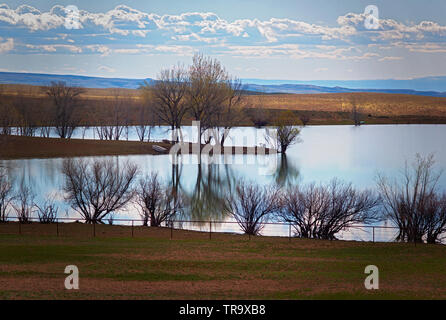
204 92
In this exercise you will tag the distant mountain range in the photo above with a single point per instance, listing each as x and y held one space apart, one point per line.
312 89
39 79
251 85
437 84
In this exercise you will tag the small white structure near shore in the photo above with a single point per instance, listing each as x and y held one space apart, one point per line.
159 148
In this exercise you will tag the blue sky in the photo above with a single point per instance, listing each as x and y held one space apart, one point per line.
293 40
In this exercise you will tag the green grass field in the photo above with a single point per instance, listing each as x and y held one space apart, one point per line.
115 265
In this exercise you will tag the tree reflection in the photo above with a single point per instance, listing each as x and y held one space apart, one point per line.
287 173
206 199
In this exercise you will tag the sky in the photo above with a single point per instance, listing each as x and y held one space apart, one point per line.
262 39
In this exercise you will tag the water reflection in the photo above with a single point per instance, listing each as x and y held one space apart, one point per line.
287 173
351 154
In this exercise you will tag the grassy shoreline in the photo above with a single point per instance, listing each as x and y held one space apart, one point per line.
113 265
18 147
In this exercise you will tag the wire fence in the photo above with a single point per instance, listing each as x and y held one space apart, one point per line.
172 229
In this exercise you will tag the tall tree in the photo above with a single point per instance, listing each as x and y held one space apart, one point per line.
158 203
416 204
285 133
99 188
65 101
117 117
168 94
229 113
207 91
6 194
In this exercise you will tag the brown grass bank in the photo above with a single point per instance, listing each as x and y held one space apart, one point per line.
18 147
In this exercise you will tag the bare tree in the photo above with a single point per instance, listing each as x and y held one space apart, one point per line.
6 113
252 205
118 117
27 124
146 122
415 205
168 95
284 135
158 203
65 102
304 117
6 118
6 195
48 211
323 211
115 127
229 113
207 91
256 111
24 202
259 117
355 110
97 188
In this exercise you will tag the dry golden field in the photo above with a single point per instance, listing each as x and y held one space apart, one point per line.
333 108
380 104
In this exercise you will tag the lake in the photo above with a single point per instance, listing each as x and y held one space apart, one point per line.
353 154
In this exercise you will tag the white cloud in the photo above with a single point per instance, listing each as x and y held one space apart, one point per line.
125 21
6 46
106 69
390 59
295 51
55 47
123 29
103 50
423 48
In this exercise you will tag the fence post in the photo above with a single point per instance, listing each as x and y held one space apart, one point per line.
210 229
132 228
373 228
289 232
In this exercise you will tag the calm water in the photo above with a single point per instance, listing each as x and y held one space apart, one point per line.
354 154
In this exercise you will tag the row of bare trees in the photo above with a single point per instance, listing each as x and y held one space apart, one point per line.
415 205
314 211
22 202
99 188
61 110
25 115
208 94
322 211
32 116
204 91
